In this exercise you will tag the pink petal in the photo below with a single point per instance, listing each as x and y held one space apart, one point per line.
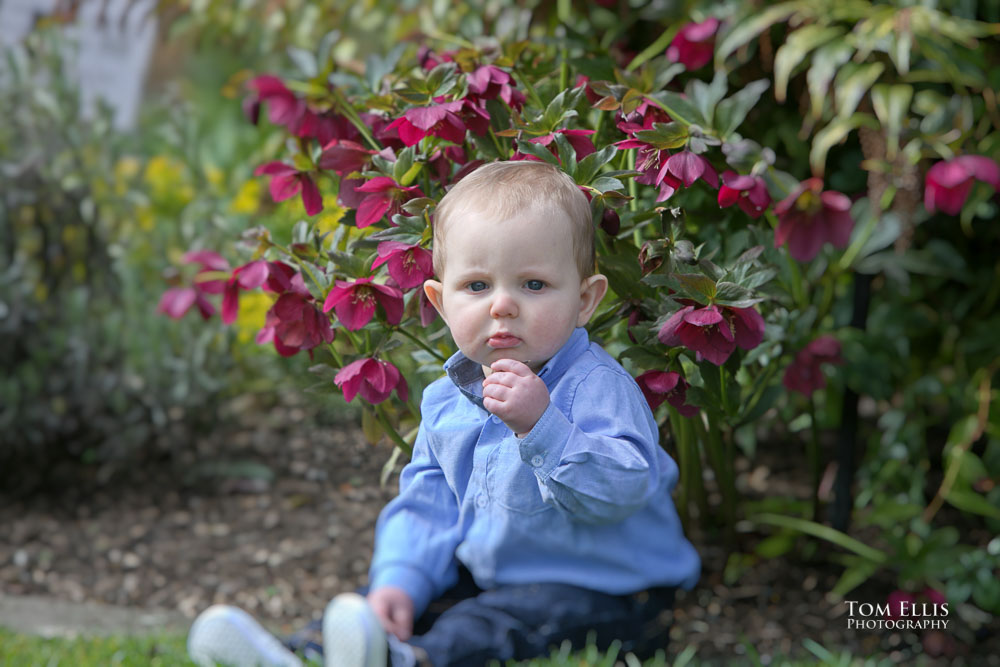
686 166
311 197
704 317
230 302
804 241
252 275
355 315
983 168
176 301
426 117
668 332
285 186
274 168
372 209
207 258
749 327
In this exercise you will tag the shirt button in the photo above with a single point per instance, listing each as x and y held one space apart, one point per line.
537 460
495 419
481 501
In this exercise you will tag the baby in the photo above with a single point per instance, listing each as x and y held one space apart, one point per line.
536 506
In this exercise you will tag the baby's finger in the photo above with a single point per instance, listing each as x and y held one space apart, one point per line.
498 391
504 378
512 366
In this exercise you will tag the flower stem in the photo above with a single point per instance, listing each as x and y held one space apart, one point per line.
812 453
421 343
496 143
391 431
345 107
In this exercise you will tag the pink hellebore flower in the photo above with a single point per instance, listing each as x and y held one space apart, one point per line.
713 333
283 107
804 375
694 45
249 276
373 379
409 265
948 182
748 192
439 120
659 386
809 217
688 167
294 323
382 196
287 181
578 139
176 301
355 302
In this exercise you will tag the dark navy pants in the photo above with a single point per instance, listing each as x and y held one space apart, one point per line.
468 626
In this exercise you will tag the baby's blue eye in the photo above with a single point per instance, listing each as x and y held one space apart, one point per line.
534 285
477 286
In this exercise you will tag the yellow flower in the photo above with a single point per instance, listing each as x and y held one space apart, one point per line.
253 311
126 169
331 215
247 200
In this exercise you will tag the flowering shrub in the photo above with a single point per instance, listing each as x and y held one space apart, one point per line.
730 225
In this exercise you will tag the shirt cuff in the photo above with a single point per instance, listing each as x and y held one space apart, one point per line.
410 579
543 446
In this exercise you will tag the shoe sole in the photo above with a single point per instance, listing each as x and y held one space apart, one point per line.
349 628
224 635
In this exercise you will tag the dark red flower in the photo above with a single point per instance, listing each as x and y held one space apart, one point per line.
283 106
382 196
688 167
439 120
948 182
659 386
287 181
409 265
809 217
373 379
294 323
578 139
804 375
176 301
588 90
694 45
642 118
487 81
748 192
713 333
355 302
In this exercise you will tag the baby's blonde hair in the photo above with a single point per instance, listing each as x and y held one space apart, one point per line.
501 190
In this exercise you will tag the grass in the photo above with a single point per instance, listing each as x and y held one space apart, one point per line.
17 650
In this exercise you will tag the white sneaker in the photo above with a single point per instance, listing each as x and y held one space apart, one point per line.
229 636
352 634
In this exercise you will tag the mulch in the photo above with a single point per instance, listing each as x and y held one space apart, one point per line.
275 513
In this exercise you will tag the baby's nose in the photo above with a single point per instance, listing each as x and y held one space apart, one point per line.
503 305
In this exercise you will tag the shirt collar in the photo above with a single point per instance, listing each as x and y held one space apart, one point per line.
468 375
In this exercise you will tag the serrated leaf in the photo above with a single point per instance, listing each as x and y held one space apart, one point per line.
665 135
851 84
758 278
794 51
833 134
567 154
733 110
750 26
735 296
678 108
696 285
607 185
825 63
377 67
714 271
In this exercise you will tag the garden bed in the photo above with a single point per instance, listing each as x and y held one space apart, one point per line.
277 515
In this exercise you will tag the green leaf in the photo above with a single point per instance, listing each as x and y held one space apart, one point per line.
654 49
794 51
700 287
732 111
735 296
707 96
851 84
588 167
892 105
825 63
607 184
833 134
824 533
750 26
970 501
567 154
665 135
853 577
775 545
538 151
402 165
304 60
377 67
678 108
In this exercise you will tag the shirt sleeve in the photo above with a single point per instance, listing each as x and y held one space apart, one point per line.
599 461
417 532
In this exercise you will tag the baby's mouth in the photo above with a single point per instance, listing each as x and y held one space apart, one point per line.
502 341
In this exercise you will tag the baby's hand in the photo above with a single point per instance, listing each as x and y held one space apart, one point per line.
515 394
394 609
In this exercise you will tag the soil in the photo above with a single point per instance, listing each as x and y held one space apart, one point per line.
277 515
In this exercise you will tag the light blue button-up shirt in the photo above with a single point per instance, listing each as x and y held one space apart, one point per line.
583 498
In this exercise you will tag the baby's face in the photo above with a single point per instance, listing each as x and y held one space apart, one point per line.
511 288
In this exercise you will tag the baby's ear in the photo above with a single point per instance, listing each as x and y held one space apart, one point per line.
592 290
434 290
